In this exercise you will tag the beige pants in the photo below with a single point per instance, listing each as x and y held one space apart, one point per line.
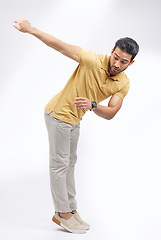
63 139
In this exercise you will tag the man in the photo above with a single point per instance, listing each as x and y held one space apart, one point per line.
96 78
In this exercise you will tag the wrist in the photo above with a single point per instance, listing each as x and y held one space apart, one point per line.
32 30
94 105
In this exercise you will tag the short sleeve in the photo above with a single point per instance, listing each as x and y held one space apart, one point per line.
123 92
87 57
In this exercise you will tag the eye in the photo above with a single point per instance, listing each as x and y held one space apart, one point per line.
123 62
116 58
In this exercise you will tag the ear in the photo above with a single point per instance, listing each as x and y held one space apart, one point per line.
112 51
131 62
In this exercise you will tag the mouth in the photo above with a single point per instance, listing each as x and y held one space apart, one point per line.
114 69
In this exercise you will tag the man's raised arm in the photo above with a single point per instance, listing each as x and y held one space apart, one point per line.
68 50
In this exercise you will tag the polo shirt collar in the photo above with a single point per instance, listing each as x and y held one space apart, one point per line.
104 66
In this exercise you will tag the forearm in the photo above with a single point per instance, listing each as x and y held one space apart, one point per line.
104 112
66 49
47 39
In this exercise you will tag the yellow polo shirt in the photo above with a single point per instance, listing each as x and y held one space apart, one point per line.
92 80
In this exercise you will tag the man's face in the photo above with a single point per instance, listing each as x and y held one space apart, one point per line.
119 61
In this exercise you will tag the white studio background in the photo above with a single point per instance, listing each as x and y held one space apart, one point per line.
118 171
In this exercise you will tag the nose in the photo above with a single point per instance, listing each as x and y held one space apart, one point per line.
117 64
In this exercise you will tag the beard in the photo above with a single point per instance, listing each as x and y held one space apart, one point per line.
113 70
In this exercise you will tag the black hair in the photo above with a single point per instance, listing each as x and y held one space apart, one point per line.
128 45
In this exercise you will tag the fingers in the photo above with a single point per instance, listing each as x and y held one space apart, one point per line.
80 98
82 103
81 107
17 27
18 20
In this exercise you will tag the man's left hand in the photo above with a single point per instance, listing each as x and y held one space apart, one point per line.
83 103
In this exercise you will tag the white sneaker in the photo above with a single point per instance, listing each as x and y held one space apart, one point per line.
71 225
78 218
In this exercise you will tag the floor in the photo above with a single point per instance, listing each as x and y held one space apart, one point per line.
26 212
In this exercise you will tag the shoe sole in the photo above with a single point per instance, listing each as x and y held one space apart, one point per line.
66 228
87 228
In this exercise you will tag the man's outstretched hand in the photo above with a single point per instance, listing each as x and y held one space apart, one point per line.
22 25
83 103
